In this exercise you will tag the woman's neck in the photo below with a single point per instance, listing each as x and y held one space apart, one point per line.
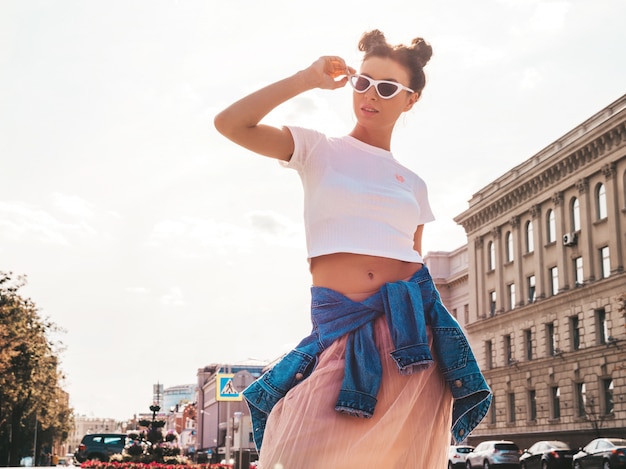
377 138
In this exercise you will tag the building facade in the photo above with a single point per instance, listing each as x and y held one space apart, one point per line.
547 288
224 428
449 273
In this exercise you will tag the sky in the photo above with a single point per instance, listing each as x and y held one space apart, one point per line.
160 247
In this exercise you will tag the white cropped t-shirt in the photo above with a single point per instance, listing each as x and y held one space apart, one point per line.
357 198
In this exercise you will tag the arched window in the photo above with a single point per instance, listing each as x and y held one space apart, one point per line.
492 256
551 226
509 247
530 242
575 214
601 201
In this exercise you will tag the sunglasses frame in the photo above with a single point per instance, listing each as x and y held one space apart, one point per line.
375 84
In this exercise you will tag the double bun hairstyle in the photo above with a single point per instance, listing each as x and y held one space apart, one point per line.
413 57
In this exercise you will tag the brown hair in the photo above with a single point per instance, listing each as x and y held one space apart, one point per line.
414 57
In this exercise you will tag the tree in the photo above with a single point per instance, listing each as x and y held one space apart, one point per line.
31 396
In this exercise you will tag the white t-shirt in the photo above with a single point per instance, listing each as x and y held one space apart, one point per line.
357 197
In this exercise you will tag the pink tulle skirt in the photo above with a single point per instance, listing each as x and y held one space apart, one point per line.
410 428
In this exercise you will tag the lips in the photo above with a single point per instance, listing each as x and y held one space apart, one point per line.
369 109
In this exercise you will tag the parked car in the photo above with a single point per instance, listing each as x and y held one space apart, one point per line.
602 453
494 454
100 446
457 455
551 454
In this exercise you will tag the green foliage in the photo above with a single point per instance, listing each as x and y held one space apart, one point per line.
30 381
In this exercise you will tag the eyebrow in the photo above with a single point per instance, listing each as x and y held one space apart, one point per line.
383 79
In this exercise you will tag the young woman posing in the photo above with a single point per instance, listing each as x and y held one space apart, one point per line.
383 347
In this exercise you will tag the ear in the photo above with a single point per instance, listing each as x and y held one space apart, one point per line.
412 100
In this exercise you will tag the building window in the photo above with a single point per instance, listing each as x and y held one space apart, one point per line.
492 410
508 350
555 392
509 247
528 344
550 339
492 256
492 303
530 242
511 295
531 289
489 354
578 271
605 262
454 313
551 226
574 324
532 405
607 387
553 275
511 407
601 202
602 326
575 214
581 399
466 313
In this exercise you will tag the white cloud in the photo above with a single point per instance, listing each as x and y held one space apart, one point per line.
549 16
530 79
72 205
275 228
174 297
194 237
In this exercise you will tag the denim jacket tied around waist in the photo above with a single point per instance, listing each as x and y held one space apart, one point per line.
408 306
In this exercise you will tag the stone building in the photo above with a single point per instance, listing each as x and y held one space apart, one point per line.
223 425
547 289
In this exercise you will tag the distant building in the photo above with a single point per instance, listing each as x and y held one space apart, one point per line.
84 425
450 274
223 426
547 288
178 396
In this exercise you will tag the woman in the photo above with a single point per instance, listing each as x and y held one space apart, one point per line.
375 311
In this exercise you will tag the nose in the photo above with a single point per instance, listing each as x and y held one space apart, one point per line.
371 93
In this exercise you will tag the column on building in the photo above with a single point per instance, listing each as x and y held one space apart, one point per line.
613 212
563 265
517 258
540 274
499 263
586 243
477 280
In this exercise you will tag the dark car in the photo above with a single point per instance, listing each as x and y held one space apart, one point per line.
602 453
100 446
551 454
457 455
494 454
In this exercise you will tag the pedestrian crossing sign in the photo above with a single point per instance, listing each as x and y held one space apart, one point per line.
225 389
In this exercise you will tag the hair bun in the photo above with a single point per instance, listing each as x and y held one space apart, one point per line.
372 40
422 51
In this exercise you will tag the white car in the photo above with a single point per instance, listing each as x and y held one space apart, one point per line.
492 454
457 456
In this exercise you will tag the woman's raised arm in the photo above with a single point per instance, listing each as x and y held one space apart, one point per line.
240 122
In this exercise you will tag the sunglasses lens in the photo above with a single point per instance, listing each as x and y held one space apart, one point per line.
360 83
386 90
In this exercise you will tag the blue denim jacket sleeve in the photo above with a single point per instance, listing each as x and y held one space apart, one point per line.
408 307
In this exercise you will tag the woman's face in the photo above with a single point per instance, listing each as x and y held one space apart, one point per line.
370 109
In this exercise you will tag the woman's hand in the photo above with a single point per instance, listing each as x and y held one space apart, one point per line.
323 73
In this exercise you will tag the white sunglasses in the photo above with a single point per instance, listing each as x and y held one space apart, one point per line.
385 89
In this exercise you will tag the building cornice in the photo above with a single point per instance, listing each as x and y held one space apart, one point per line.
599 135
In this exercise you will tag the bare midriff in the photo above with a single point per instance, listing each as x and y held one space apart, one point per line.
359 276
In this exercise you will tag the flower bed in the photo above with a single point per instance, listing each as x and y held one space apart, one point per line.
153 465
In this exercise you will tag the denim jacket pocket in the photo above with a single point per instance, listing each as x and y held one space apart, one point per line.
451 347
